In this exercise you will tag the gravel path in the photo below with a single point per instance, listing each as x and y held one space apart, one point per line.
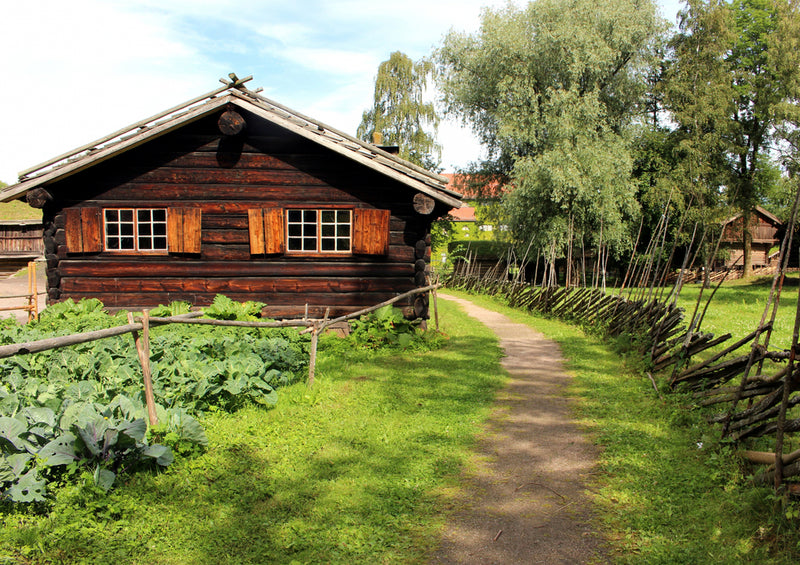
526 500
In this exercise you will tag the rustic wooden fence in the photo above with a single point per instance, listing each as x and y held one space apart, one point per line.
143 323
754 390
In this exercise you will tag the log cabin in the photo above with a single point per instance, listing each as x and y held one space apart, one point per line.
765 229
231 193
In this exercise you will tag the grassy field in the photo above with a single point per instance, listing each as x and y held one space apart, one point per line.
667 491
738 305
17 210
364 467
359 469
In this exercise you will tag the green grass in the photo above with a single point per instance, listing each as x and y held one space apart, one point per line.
666 491
18 210
738 305
359 469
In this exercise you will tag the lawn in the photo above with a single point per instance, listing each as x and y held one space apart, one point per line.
365 467
667 491
359 469
738 305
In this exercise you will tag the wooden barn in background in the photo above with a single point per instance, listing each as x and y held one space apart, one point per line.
765 229
231 193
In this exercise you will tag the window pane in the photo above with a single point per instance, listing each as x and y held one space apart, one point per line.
126 229
310 216
343 216
112 215
343 230
112 243
160 243
295 215
343 244
159 215
126 215
309 244
145 243
328 245
328 230
328 216
126 243
143 215
159 229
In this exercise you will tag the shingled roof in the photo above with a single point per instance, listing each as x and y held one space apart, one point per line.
233 92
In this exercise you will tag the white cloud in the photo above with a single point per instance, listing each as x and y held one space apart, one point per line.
79 69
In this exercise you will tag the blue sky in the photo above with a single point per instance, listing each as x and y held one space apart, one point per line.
75 70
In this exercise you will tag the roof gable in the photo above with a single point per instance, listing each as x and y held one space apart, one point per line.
233 93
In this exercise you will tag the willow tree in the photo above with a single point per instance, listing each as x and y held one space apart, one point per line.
400 114
551 89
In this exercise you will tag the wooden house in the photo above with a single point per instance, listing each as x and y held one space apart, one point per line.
234 194
765 228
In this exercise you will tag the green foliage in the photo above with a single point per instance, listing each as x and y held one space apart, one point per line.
223 308
83 405
551 89
356 470
387 327
39 445
400 114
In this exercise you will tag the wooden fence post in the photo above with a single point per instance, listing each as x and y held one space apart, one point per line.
143 349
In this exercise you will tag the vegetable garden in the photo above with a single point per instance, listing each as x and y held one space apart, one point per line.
82 409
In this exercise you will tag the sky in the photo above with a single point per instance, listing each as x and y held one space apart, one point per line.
77 70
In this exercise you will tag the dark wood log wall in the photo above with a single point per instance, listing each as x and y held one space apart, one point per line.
225 176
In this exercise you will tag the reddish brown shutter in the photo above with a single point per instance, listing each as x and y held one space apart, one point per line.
184 230
83 231
370 231
255 223
266 230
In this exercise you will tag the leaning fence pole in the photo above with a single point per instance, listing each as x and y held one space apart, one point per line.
143 350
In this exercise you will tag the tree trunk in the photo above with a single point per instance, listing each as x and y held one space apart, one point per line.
747 242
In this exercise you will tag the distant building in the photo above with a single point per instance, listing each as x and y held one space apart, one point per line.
765 228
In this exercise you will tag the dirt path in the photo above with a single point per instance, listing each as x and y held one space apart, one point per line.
18 285
527 501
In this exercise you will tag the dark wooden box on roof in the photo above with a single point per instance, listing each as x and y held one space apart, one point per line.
233 194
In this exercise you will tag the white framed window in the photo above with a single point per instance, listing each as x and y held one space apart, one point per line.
135 229
319 231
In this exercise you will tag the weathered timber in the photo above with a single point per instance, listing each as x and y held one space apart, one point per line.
423 204
691 371
64 341
231 122
272 168
143 350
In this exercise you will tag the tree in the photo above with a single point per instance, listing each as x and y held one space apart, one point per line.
399 113
551 90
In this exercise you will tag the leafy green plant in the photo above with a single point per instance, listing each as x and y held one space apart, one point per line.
223 308
385 326
67 410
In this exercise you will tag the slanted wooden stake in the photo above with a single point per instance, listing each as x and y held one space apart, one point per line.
312 353
143 349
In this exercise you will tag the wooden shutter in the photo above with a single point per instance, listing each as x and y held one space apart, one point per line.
370 231
83 230
184 230
266 230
